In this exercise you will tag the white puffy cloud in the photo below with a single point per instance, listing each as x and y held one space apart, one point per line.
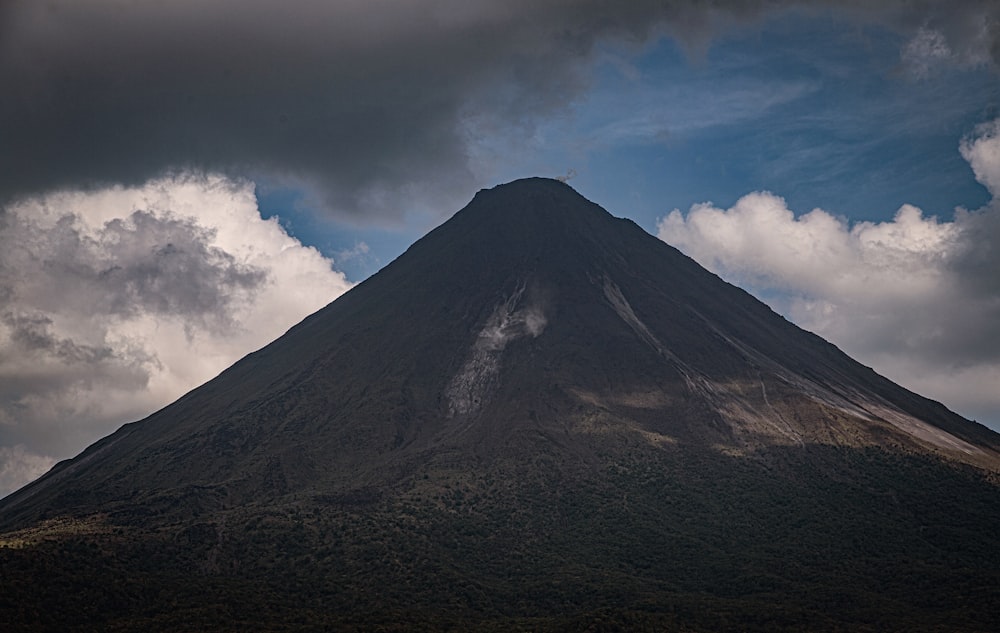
916 297
115 302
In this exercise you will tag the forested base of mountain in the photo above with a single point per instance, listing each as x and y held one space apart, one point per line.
788 539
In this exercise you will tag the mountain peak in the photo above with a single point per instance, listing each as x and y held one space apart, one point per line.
531 311
528 187
534 406
535 204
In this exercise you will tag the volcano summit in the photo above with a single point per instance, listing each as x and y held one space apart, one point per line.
539 417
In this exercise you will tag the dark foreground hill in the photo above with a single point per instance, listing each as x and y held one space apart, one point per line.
538 418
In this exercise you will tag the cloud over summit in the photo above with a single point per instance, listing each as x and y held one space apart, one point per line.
373 107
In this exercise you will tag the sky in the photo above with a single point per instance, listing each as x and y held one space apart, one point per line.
181 182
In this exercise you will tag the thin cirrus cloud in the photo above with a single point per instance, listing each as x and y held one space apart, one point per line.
645 114
917 297
117 301
372 107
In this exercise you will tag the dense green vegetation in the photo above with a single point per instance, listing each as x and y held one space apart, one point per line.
817 538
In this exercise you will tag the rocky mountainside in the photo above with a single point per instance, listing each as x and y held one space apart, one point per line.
539 416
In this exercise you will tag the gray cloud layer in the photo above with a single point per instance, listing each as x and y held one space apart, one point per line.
366 103
141 263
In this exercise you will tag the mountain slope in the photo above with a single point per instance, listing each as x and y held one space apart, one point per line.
537 411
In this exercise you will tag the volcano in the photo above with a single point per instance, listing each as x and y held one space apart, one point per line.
539 417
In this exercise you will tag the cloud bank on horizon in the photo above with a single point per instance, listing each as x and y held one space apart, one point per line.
135 262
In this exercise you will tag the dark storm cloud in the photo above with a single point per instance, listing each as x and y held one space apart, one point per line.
367 104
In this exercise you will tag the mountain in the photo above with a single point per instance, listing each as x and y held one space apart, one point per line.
539 417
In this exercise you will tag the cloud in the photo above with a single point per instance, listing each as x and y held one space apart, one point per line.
926 52
18 465
117 301
650 114
360 250
143 262
916 297
982 150
964 33
372 106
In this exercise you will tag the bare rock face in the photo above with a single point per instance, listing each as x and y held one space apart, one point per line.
539 411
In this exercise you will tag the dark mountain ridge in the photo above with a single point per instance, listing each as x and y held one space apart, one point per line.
505 387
